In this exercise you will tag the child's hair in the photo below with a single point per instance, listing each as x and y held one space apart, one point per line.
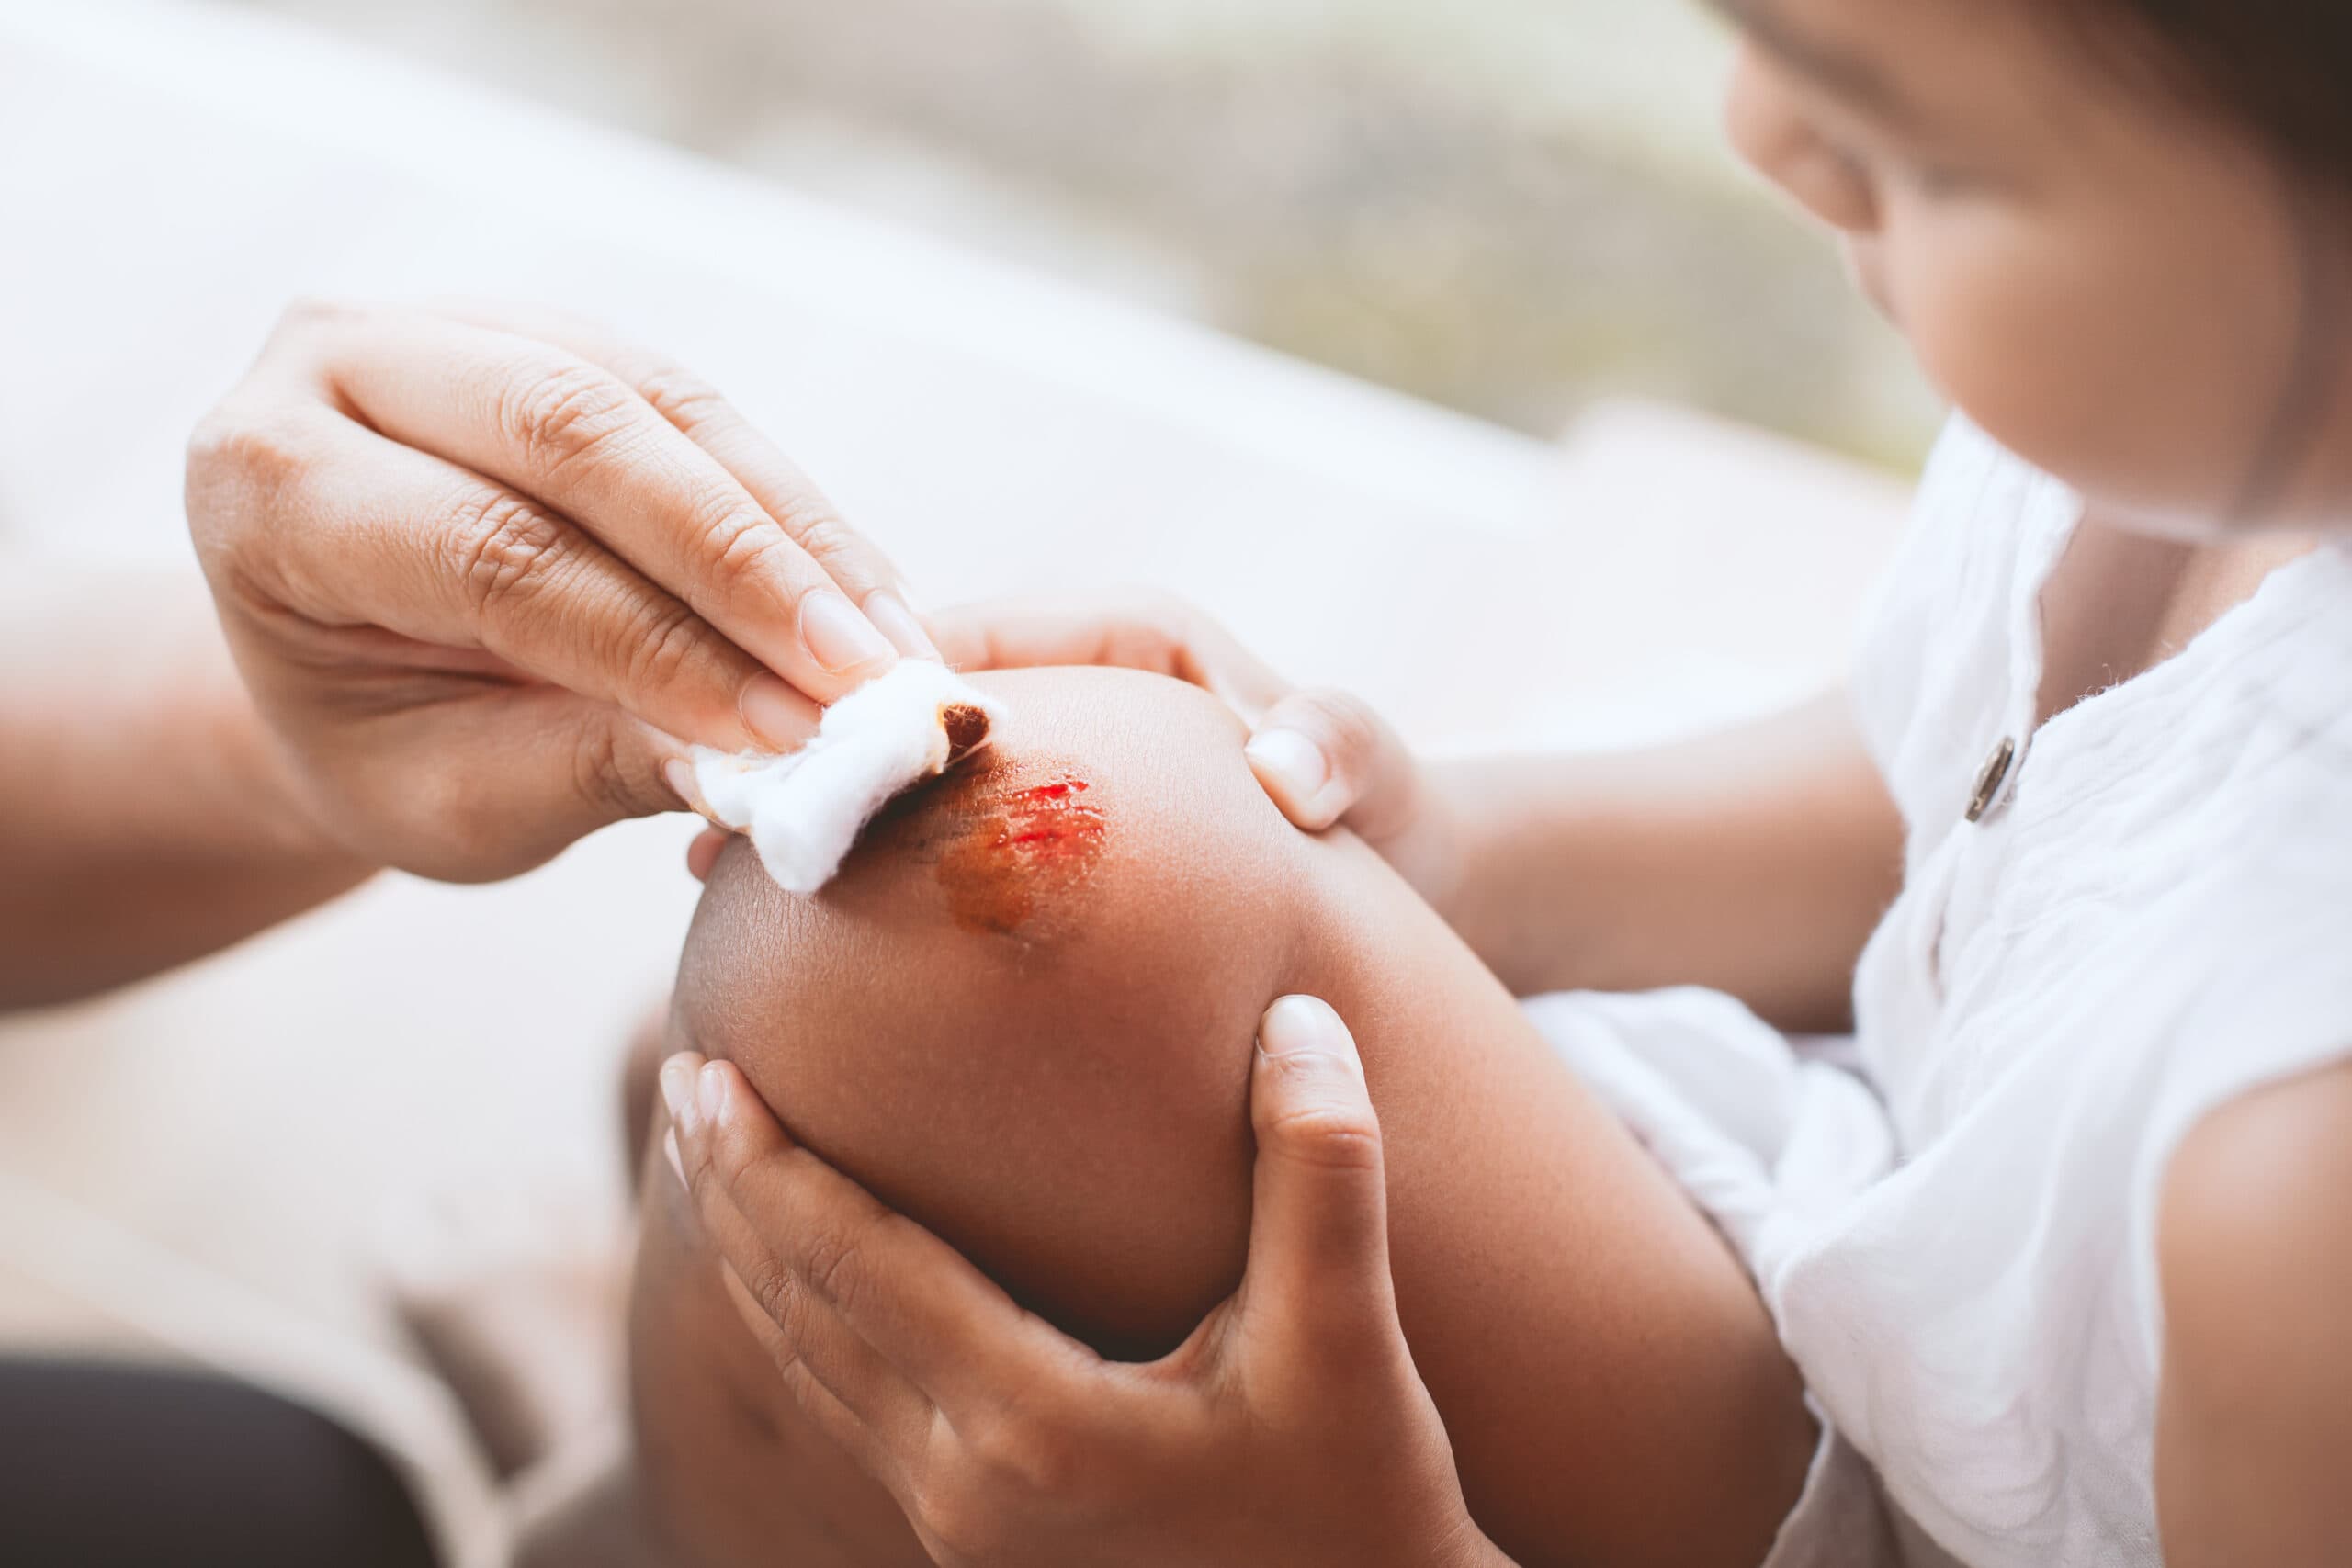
2282 68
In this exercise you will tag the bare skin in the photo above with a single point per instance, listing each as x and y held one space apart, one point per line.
118 868
1065 1103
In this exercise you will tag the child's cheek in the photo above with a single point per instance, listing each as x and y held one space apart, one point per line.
2024 345
2144 371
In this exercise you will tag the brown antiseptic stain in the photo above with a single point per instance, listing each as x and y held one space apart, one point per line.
967 727
1015 855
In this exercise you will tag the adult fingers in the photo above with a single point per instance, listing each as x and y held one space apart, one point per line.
943 1324
1152 633
815 1397
375 533
799 1329
579 439
1317 1280
801 1332
772 480
1324 755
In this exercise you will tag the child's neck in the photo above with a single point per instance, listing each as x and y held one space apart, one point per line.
2122 602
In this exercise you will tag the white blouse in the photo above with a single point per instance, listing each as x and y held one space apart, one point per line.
2110 926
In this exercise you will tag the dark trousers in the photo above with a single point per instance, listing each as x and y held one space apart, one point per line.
106 1465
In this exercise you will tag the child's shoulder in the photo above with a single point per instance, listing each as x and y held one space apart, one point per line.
2255 1254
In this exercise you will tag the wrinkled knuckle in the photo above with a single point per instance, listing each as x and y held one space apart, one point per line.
680 395
563 418
833 1261
506 549
813 524
740 542
664 649
829 538
771 1285
1333 1134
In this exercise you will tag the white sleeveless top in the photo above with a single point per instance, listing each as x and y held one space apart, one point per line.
1954 1226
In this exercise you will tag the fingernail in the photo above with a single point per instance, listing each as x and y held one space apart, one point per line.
837 636
779 716
710 1092
679 774
678 1091
1302 1024
1287 758
894 620
669 1150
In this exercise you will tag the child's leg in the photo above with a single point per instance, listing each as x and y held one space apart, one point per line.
1071 1112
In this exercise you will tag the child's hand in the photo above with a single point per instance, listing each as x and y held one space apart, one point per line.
1323 755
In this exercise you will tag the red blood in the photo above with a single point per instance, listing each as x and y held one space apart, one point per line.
1018 854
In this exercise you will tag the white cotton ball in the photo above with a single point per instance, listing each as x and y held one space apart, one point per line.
803 810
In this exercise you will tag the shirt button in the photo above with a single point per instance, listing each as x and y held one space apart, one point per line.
1991 777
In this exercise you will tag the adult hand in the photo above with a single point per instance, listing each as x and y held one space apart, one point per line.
1323 755
485 583
1290 1427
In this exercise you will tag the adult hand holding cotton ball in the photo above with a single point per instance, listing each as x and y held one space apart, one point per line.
488 585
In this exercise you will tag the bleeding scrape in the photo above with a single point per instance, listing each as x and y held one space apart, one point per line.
1015 855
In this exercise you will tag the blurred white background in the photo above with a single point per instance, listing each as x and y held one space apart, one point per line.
1505 205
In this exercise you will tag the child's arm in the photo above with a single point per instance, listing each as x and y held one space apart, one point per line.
2253 1427
1756 862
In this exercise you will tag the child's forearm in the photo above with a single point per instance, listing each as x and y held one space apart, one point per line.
1754 862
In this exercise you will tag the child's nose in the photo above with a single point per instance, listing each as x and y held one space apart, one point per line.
1769 131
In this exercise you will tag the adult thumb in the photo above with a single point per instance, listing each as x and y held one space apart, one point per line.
1318 1235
